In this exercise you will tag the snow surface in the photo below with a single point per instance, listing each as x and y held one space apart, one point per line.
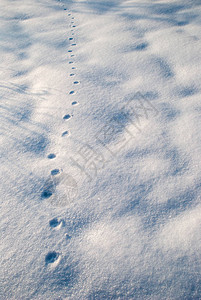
100 149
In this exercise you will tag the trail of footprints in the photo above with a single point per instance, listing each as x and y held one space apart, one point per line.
52 258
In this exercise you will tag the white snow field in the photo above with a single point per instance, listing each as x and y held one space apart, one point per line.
100 149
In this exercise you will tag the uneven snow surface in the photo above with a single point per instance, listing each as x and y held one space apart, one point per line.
100 149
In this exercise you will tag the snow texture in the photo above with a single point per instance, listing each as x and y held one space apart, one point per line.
100 149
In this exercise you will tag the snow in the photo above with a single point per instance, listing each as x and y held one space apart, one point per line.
100 149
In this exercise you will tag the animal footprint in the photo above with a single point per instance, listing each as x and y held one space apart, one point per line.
51 156
55 172
49 189
76 82
55 223
73 45
67 117
52 257
60 189
74 103
49 186
70 39
65 133
72 74
72 92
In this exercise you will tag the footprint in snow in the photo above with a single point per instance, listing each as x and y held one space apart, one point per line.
76 82
51 156
72 92
70 39
67 117
55 172
60 189
55 223
52 257
65 133
50 185
75 103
